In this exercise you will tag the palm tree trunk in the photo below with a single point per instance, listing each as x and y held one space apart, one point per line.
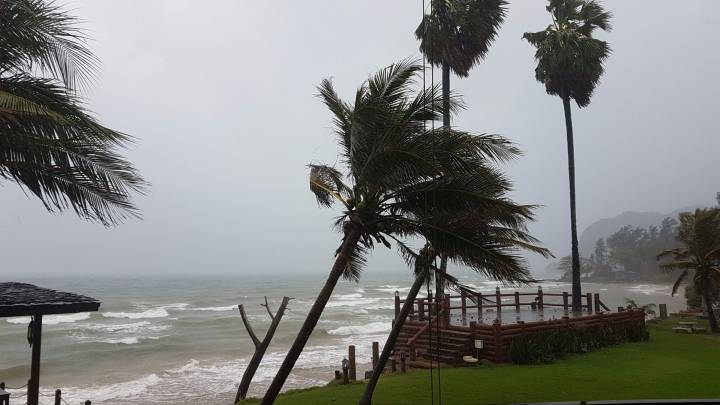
352 236
391 340
714 328
576 288
439 286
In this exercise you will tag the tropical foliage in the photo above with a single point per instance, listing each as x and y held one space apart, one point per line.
631 304
402 180
698 261
49 143
569 65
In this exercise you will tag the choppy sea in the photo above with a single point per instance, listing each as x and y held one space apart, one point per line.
181 340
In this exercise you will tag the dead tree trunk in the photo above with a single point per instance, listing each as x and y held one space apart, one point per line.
260 346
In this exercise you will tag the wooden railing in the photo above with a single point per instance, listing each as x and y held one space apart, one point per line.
416 336
424 307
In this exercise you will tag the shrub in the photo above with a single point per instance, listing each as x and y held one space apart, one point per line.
546 347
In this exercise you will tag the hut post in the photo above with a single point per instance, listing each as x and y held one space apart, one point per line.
351 363
498 301
375 354
463 307
565 300
589 302
397 303
517 301
596 298
663 311
33 387
540 298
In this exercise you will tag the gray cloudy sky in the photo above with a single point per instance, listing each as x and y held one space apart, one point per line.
220 95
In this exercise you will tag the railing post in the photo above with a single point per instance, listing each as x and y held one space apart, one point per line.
463 307
88 402
58 396
402 363
375 354
397 303
351 363
393 365
540 298
565 301
589 303
497 338
517 301
421 309
498 301
596 298
446 316
663 311
4 395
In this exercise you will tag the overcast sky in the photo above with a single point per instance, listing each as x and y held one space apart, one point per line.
220 95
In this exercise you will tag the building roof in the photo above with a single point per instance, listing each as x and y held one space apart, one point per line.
21 299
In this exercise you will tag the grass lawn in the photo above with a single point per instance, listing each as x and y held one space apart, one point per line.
669 366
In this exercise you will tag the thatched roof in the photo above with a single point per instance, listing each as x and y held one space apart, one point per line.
21 299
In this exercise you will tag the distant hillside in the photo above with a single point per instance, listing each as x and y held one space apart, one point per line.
606 227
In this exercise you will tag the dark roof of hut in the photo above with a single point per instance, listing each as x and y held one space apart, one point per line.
21 299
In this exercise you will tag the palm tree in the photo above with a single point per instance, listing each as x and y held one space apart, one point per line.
699 259
649 309
502 234
570 64
456 36
395 172
49 144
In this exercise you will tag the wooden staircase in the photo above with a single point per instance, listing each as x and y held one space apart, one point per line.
446 348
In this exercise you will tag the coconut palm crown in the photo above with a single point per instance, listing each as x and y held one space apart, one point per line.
460 32
570 60
49 144
698 261
402 181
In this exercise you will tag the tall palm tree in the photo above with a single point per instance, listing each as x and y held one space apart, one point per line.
456 36
395 171
570 64
502 234
49 144
699 259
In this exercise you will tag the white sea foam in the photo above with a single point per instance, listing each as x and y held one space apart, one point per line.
357 302
347 296
216 309
135 327
52 319
373 327
150 313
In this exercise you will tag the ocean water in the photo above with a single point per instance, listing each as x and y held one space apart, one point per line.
181 340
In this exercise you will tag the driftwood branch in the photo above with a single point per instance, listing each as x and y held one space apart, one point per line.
260 347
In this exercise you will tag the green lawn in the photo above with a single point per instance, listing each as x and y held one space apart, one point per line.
670 365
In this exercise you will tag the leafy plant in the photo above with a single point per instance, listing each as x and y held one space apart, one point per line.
649 309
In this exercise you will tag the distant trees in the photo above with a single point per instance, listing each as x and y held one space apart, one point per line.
49 143
698 261
570 63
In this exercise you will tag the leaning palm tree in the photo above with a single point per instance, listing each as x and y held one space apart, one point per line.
570 64
499 235
49 144
699 259
395 170
456 36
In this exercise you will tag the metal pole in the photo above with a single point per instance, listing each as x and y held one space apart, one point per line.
33 392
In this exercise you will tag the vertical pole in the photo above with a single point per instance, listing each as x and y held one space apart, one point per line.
463 307
565 300
498 301
375 354
446 318
517 301
621 309
663 311
540 298
596 298
397 304
589 302
393 365
345 376
351 362
58 397
402 363
498 341
480 307
34 383
421 309
4 400
88 402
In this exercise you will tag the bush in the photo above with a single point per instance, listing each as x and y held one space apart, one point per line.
546 347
